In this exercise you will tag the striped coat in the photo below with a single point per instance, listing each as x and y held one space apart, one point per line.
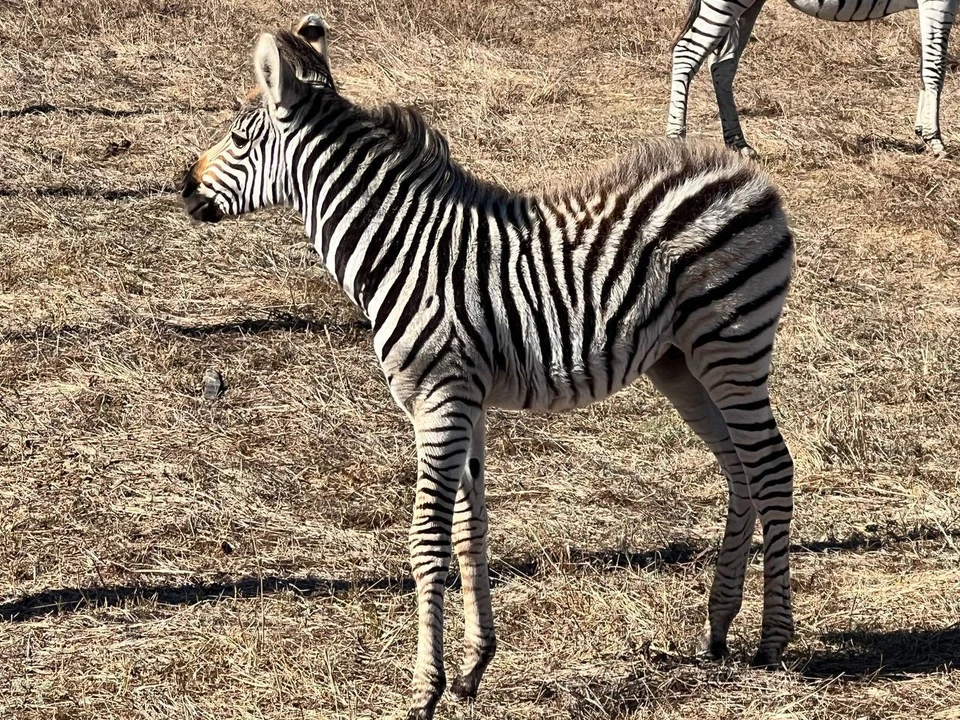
718 31
673 261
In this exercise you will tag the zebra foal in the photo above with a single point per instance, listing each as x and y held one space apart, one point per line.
719 30
674 262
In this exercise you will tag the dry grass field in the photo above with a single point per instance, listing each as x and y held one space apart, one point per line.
162 556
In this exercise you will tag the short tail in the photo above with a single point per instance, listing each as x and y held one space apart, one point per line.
692 13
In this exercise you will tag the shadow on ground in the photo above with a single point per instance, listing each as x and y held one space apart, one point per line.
864 654
869 144
677 556
68 600
275 321
858 656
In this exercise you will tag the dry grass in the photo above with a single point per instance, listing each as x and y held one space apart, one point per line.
162 556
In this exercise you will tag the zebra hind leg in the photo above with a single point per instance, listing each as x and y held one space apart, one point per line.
671 376
724 62
470 545
705 30
744 402
936 20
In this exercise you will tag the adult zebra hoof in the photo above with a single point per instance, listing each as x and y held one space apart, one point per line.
934 143
748 152
714 649
464 688
767 659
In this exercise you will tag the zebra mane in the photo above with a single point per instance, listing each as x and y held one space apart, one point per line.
426 150
644 160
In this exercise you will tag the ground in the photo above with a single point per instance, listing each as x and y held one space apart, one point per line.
163 556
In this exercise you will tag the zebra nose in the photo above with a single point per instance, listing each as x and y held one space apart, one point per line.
190 183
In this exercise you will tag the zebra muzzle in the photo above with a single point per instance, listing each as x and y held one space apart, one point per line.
199 207
203 209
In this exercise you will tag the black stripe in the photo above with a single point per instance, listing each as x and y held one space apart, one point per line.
393 294
510 307
408 200
559 304
770 258
352 234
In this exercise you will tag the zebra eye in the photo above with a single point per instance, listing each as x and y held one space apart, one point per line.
240 140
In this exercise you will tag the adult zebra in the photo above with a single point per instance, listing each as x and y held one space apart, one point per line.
720 29
673 262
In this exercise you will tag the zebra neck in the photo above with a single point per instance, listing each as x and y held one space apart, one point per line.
337 185
369 208
386 207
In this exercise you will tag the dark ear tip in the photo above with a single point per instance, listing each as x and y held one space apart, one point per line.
311 28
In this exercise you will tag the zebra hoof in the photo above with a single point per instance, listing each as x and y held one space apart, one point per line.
419 714
714 649
464 688
934 143
748 152
767 658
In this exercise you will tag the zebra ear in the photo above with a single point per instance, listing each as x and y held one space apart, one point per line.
313 29
276 77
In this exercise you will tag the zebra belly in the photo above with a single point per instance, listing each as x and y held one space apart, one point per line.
559 387
852 10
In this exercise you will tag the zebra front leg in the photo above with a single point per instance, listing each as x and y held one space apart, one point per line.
723 69
470 544
936 20
444 434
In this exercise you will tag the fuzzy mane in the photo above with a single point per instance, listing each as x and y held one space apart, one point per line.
427 150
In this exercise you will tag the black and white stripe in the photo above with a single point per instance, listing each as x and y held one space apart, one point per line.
718 31
674 262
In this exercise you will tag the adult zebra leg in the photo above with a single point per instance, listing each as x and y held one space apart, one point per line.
706 27
936 20
470 544
671 376
724 62
444 435
745 405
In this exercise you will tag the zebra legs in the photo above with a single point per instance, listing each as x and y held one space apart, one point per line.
470 544
671 376
733 364
745 405
936 20
724 62
444 431
707 27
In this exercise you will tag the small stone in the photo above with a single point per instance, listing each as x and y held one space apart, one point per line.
213 385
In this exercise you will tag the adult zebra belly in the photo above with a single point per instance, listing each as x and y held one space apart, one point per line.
852 10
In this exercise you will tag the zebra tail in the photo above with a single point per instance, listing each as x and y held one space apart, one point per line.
692 13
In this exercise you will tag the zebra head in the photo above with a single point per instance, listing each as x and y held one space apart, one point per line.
247 169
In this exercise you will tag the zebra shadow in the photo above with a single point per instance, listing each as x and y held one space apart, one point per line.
863 654
679 556
62 601
276 321
864 145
